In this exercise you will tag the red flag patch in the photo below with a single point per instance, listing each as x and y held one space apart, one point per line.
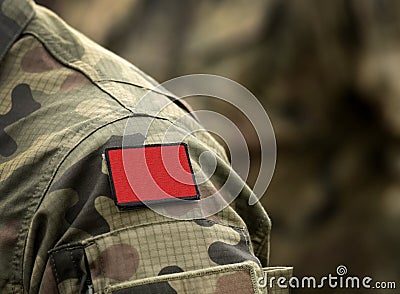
150 173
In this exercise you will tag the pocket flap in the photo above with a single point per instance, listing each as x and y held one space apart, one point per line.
226 279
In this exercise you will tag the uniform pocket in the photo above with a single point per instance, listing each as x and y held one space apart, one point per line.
227 279
152 251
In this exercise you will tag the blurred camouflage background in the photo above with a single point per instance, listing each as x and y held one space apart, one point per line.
328 74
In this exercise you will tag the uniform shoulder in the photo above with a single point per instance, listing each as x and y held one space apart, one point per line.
111 73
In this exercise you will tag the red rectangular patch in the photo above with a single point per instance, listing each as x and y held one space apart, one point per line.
155 173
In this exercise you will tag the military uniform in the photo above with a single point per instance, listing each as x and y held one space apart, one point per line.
63 101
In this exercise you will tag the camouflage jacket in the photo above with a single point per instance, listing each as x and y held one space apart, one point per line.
63 100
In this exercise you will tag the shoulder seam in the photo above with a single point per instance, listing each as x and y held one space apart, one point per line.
76 68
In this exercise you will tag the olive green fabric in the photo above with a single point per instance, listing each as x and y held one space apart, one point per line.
63 100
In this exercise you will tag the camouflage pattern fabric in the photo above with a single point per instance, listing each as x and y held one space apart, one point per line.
63 100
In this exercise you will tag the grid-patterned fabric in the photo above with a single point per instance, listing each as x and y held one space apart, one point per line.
153 247
63 100
240 278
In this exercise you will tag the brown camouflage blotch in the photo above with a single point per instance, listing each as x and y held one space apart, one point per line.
9 234
75 80
239 282
38 60
117 262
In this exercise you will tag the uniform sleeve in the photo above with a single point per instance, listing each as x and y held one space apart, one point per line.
102 249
